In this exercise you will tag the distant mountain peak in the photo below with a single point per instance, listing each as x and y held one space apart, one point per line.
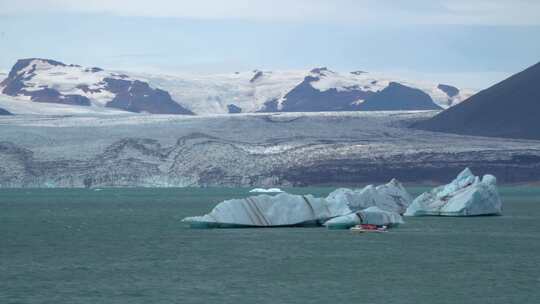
321 71
451 91
257 75
50 81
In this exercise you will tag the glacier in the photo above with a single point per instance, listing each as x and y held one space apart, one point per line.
289 210
466 195
97 150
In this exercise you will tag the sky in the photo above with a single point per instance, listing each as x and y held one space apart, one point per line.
467 43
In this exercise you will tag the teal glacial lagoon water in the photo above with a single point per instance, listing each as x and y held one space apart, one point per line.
129 246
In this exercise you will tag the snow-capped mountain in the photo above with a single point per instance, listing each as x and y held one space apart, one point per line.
61 88
50 81
304 91
324 90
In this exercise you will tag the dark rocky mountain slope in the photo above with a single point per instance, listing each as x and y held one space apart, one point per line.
510 109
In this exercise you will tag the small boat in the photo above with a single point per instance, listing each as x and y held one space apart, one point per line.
369 228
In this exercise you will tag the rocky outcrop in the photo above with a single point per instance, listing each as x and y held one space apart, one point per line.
233 109
270 106
398 97
24 70
306 98
138 96
451 91
256 76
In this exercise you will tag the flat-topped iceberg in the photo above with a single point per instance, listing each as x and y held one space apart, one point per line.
263 190
467 195
371 205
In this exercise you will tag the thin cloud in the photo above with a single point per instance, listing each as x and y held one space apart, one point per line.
482 12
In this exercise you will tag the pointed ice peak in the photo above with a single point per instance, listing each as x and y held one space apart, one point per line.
466 173
394 182
463 180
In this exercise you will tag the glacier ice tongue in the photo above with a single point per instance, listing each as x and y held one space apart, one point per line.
467 195
382 205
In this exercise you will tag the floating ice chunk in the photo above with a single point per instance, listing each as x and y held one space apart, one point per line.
304 210
343 222
467 195
263 190
371 215
391 197
267 211
376 216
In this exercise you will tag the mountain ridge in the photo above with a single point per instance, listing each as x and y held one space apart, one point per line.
510 108
47 81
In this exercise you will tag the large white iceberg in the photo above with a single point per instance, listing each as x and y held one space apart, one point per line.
285 209
467 195
267 211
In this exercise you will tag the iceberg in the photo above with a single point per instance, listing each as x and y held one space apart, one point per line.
371 204
269 190
467 195
281 210
390 197
372 215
